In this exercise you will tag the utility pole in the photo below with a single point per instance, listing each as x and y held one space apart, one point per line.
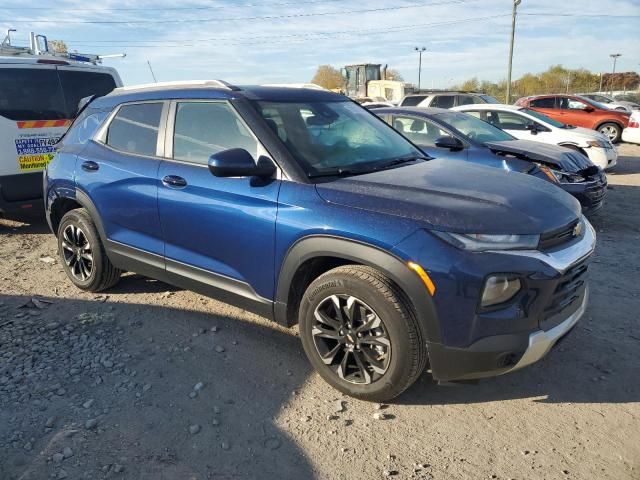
513 35
419 50
613 73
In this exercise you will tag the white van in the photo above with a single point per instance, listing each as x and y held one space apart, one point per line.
39 96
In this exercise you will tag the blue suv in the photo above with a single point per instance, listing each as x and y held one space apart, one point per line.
304 207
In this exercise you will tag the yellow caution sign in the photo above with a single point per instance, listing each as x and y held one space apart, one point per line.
34 162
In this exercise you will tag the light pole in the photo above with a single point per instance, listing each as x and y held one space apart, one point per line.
613 73
513 34
419 50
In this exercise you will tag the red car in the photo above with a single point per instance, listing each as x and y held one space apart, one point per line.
579 111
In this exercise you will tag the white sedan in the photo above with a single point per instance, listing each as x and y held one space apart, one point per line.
631 134
527 124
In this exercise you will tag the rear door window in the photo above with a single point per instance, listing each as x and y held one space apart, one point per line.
548 102
413 100
443 101
134 129
77 84
31 94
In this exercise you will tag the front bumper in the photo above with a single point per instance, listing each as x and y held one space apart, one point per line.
547 310
590 194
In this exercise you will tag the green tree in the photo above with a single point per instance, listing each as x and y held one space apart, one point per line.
328 77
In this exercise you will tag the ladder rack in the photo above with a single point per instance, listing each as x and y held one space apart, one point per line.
39 47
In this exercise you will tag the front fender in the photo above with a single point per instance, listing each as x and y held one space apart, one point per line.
392 266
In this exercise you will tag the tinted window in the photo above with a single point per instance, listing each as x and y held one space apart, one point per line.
31 94
204 128
412 101
135 128
79 84
489 99
508 120
467 100
419 130
548 102
443 101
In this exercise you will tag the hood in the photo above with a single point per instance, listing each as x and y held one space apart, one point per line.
561 157
458 197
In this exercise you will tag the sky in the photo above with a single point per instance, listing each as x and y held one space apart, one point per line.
277 41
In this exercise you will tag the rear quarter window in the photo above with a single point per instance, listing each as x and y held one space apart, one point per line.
84 126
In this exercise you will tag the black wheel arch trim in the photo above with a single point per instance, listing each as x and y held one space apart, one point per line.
316 246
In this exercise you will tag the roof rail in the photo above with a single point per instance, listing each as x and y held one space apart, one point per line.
179 83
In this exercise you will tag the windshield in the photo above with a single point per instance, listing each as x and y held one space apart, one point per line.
543 117
474 128
489 99
335 137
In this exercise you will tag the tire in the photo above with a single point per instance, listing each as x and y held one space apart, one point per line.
82 253
389 345
611 130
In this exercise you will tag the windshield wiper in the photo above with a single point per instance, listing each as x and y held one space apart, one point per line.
337 172
400 161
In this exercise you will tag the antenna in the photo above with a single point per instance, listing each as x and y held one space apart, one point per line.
152 74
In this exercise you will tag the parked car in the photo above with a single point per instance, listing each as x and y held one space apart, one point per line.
458 136
39 97
613 104
579 111
631 134
445 99
527 124
301 205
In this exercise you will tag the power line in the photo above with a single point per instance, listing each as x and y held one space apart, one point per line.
234 19
161 9
252 39
588 15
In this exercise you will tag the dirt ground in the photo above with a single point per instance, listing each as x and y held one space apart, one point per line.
150 382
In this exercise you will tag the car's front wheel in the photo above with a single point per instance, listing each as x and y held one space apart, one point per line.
613 131
82 253
361 334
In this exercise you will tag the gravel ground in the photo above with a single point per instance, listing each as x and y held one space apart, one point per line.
150 382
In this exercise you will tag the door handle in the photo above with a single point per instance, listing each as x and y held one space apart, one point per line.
90 166
174 181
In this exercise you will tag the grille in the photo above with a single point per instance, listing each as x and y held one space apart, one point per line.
557 237
567 293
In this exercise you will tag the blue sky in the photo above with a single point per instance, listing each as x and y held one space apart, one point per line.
259 41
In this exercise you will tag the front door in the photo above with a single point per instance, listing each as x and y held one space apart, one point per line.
218 232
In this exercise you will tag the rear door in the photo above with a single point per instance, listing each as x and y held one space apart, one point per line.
33 116
118 172
218 232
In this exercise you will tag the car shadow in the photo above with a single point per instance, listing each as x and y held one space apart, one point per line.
249 374
23 225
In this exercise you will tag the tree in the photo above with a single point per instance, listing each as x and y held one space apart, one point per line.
393 74
328 77
57 46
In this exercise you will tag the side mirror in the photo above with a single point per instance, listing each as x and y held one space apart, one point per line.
237 162
533 128
589 109
452 143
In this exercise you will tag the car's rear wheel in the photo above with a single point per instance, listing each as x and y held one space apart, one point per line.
360 333
82 253
612 130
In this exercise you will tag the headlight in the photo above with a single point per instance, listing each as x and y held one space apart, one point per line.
562 177
479 242
499 289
